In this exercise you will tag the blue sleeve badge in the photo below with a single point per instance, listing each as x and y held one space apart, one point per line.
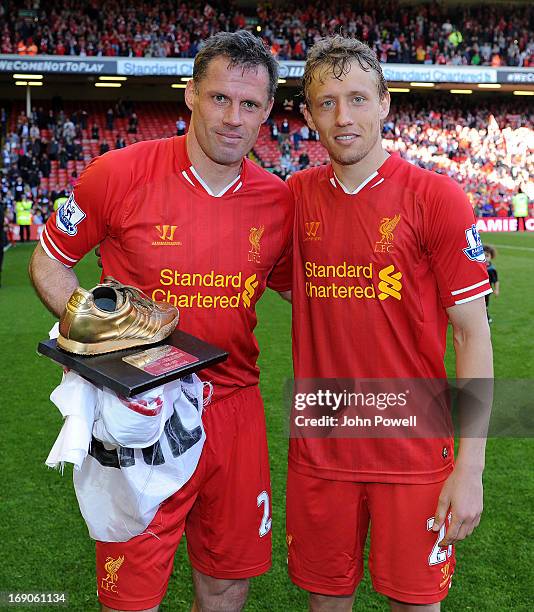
474 250
69 215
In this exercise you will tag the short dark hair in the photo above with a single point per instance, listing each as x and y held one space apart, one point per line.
242 48
334 54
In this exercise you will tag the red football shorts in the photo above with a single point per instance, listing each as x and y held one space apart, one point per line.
224 510
327 525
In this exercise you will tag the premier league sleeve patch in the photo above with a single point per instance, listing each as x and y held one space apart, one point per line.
69 215
474 250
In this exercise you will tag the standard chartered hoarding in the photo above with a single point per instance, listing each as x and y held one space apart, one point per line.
432 73
154 67
178 67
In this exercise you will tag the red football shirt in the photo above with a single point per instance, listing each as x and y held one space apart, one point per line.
373 273
162 230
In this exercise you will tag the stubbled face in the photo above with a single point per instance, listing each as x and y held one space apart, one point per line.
228 107
347 113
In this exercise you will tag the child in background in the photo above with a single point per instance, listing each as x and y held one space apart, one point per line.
490 254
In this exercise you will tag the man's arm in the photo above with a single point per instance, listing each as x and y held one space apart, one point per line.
462 492
53 282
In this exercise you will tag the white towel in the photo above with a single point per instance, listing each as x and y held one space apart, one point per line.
76 399
119 488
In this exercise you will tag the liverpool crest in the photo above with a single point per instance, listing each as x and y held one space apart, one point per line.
254 238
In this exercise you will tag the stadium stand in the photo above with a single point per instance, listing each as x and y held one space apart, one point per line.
418 33
487 149
43 155
426 33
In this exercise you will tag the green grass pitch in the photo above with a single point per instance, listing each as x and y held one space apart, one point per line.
44 541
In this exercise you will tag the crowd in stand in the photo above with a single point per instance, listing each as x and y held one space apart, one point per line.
488 150
435 33
293 153
120 28
40 139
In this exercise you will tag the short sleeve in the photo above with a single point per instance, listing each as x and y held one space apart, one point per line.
454 245
280 278
82 222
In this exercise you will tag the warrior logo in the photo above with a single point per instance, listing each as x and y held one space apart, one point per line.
166 236
254 239
386 227
312 227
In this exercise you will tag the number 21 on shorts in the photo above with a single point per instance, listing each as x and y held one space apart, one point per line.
266 521
438 555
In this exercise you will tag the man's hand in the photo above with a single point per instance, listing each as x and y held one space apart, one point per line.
462 495
97 253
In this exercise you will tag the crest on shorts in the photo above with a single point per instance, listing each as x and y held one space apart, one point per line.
68 216
445 574
112 566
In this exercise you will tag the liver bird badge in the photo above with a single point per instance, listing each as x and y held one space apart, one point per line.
254 238
112 567
386 227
